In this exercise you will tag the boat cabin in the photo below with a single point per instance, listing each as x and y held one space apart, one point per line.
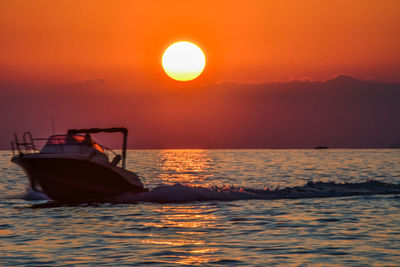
72 144
75 142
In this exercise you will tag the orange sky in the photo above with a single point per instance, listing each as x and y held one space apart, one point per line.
243 40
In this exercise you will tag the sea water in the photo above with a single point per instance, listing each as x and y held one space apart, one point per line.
217 208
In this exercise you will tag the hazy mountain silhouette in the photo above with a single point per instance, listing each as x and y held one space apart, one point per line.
342 112
343 79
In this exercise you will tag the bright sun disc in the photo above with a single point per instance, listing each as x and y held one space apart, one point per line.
183 61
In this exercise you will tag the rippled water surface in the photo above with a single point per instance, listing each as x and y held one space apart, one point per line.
337 231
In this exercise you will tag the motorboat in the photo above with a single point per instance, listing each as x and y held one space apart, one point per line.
74 168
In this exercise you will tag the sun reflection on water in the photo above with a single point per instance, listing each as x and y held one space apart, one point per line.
181 234
182 228
189 166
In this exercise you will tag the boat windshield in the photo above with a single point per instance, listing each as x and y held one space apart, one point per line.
69 139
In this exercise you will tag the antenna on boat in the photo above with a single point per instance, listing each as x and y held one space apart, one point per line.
53 125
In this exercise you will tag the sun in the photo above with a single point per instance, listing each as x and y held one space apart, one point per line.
183 61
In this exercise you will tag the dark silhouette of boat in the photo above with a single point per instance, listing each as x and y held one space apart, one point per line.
396 145
73 168
321 147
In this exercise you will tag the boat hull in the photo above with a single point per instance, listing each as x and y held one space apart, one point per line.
71 180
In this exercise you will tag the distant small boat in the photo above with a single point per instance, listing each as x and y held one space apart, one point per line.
397 145
73 168
321 147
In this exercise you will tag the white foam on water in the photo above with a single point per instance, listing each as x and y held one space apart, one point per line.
33 195
187 193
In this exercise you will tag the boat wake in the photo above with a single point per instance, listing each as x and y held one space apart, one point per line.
33 195
186 193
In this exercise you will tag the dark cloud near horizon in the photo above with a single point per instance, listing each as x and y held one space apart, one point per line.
341 112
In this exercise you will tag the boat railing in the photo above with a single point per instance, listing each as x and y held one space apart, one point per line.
29 145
